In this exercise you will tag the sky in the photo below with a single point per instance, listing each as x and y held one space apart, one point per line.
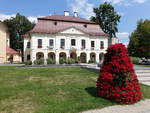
131 11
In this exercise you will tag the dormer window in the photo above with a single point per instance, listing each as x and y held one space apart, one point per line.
85 25
55 23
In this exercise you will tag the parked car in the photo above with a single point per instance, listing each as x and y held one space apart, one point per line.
144 61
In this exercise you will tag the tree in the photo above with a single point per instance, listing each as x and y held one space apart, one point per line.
107 18
139 44
118 80
18 26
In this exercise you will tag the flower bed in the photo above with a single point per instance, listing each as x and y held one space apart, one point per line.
118 81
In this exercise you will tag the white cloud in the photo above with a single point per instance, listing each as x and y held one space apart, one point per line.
32 19
122 35
5 16
83 7
139 1
125 2
114 1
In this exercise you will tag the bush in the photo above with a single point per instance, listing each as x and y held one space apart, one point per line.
78 60
62 61
118 81
39 61
28 62
135 60
50 61
91 62
70 61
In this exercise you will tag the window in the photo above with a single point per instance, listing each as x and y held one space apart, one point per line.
102 44
51 42
62 43
73 42
28 57
92 44
85 25
83 44
39 43
28 44
55 23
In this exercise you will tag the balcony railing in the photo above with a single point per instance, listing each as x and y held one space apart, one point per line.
83 47
50 47
92 48
62 47
102 47
39 46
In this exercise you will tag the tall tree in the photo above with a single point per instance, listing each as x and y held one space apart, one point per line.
107 18
139 44
18 26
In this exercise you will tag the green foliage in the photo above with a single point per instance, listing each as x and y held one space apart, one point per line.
51 61
18 26
139 44
62 61
91 62
70 61
107 18
28 62
135 60
39 61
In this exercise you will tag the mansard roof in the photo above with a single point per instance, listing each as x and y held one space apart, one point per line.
57 23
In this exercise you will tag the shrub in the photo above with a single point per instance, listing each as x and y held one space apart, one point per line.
135 60
78 60
28 62
62 61
39 61
70 61
50 61
118 81
91 62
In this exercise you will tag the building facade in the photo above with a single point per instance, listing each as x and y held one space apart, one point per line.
7 54
4 39
64 36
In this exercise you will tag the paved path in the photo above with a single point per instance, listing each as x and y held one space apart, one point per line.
140 107
143 73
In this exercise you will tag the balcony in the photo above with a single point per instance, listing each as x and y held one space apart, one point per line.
39 46
102 47
83 47
62 47
92 48
50 47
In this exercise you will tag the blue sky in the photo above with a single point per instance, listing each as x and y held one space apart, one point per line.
130 10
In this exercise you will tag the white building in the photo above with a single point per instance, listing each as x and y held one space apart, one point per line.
65 36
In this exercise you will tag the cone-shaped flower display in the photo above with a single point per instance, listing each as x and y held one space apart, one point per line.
118 81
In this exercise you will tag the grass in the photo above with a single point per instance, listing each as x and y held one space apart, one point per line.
50 90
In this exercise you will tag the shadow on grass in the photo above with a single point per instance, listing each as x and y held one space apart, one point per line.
92 91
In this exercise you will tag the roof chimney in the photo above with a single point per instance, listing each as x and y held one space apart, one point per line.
66 13
75 14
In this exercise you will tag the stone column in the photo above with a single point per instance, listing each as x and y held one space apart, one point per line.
87 56
57 56
67 55
45 57
33 55
97 57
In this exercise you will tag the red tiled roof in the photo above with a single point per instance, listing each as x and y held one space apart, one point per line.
66 19
11 51
47 25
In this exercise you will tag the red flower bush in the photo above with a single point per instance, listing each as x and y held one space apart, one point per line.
118 81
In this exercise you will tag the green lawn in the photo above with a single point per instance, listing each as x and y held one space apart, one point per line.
50 90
